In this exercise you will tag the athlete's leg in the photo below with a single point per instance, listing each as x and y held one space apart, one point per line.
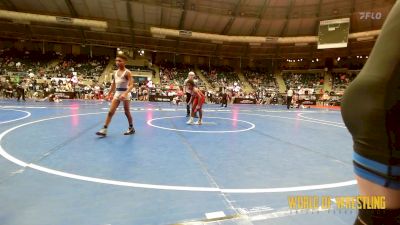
200 110
199 122
127 112
111 112
193 112
188 96
128 115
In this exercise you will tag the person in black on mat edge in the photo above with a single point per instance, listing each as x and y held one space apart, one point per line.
224 95
21 91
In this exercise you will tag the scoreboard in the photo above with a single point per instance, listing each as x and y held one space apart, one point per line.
333 33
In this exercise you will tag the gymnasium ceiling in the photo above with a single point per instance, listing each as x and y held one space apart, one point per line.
129 22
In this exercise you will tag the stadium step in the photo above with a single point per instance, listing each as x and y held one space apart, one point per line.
202 78
156 79
246 85
105 76
280 82
328 82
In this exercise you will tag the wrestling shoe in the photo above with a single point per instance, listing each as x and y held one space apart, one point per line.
102 132
190 121
130 131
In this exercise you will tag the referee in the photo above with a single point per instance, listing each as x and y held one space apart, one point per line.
188 93
289 96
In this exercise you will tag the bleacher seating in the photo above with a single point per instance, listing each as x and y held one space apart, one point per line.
137 68
342 80
219 76
24 62
304 80
85 66
48 76
176 74
260 79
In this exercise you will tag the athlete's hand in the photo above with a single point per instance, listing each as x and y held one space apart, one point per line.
197 107
109 97
123 97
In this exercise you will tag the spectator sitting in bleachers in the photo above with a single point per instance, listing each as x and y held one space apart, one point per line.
260 79
176 73
220 76
342 80
88 68
304 80
24 62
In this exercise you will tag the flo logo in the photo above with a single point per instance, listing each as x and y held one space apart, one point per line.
370 15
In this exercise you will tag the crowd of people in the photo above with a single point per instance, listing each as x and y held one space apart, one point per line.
40 88
304 80
85 66
24 62
220 76
260 79
304 88
37 75
341 81
50 64
175 74
51 73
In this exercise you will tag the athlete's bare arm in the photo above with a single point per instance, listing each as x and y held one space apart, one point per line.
112 89
128 76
